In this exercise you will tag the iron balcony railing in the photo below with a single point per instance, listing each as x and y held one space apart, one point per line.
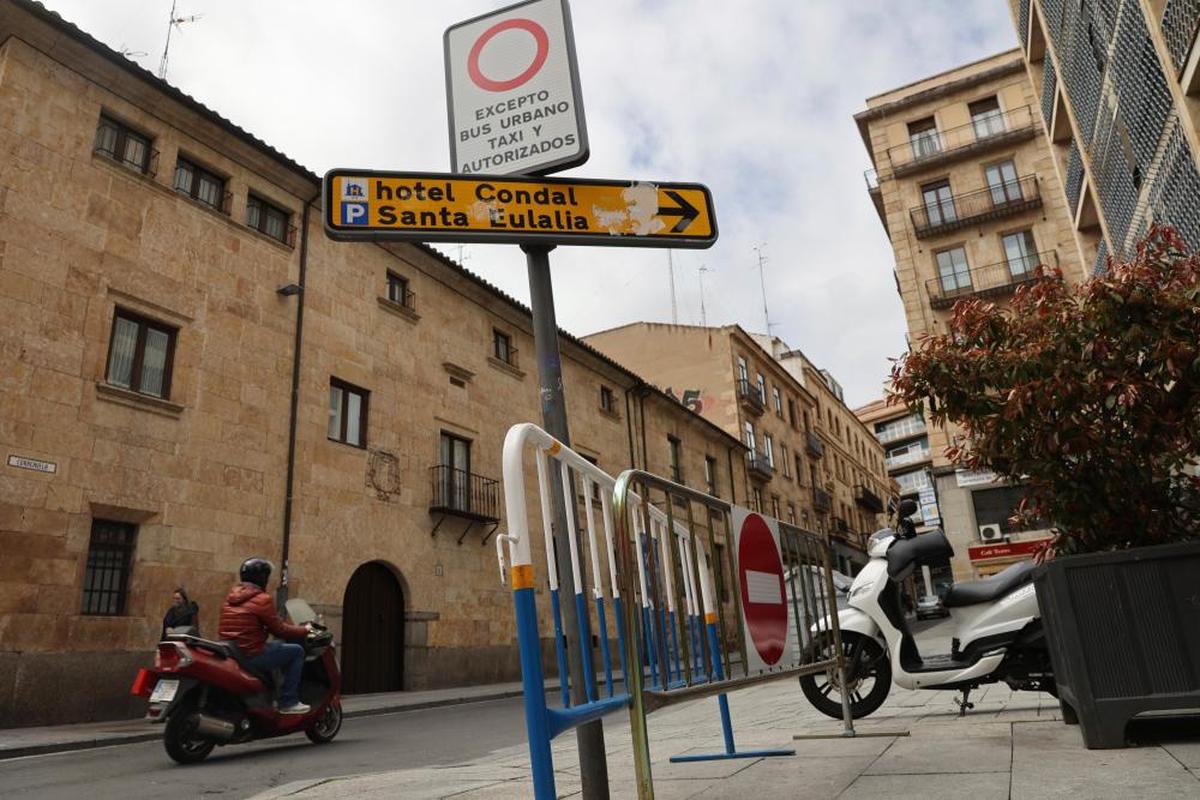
147 166
750 398
813 444
907 430
464 494
988 281
821 499
868 499
759 466
911 457
1180 25
840 526
932 147
406 299
970 208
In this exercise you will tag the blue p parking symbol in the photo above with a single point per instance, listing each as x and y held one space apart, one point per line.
354 214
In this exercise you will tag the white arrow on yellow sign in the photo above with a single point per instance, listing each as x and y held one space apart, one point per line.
441 207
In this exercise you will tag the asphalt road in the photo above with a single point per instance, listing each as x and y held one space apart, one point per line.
365 744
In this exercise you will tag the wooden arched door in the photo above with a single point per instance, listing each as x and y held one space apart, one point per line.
372 631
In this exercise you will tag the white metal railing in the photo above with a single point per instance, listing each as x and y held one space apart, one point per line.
908 458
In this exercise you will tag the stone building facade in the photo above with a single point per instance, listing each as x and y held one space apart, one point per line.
192 373
966 185
809 461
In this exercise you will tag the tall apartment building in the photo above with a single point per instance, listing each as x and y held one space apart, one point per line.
907 455
965 185
1119 85
809 461
153 262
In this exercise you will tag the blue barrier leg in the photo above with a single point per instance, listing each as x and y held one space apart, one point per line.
560 651
664 670
726 725
675 646
620 612
585 648
648 630
604 644
537 722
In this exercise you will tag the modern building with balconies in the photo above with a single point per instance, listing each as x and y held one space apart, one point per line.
965 182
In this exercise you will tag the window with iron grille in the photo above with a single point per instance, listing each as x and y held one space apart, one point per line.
778 398
502 347
140 354
347 413
123 144
676 456
268 219
200 184
710 475
109 561
608 401
398 291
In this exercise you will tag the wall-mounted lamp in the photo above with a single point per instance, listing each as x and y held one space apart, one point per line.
288 290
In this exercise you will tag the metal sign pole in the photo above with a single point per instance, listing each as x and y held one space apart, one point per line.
593 765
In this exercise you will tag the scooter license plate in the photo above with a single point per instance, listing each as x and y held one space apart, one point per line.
164 691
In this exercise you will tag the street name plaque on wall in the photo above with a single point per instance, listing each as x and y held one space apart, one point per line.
32 464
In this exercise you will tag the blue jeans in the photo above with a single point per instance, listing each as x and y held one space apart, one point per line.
289 658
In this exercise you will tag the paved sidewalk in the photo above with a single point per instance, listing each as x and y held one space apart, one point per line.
1013 745
15 742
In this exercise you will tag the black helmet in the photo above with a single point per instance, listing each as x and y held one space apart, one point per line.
257 571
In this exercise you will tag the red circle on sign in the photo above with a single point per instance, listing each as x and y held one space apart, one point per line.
767 621
539 58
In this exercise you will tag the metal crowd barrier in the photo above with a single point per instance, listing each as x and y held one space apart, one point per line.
666 583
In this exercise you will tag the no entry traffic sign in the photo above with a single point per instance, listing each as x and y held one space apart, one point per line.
512 91
761 585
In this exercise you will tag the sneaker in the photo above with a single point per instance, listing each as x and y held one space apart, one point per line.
295 708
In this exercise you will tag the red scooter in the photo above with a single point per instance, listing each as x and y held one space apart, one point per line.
209 695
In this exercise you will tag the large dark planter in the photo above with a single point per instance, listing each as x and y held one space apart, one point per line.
1124 635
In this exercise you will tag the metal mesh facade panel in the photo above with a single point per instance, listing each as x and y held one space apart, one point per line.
1074 177
1023 21
1101 265
1053 12
1083 52
1144 99
1177 189
1112 176
1180 22
1049 84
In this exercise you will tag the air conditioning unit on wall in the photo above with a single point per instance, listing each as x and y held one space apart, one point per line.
990 533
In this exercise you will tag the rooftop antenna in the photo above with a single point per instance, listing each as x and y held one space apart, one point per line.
173 22
762 260
462 259
130 53
674 304
703 316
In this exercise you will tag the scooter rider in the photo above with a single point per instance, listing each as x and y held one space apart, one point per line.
248 615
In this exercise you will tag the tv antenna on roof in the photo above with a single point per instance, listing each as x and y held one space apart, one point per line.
703 316
671 272
130 53
173 22
762 260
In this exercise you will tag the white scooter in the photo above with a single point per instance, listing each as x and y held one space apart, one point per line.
997 630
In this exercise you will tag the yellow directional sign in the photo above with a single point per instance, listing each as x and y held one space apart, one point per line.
438 207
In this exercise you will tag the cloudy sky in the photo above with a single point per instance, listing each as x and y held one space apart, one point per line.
752 98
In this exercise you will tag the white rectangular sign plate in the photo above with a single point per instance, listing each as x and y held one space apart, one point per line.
512 92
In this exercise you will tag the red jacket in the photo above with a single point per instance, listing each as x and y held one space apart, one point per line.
248 615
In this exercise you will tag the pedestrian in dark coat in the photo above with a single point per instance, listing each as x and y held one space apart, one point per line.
183 613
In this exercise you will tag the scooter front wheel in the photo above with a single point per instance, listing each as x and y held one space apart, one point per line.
327 727
869 678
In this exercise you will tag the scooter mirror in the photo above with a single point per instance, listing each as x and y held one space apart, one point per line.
908 507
